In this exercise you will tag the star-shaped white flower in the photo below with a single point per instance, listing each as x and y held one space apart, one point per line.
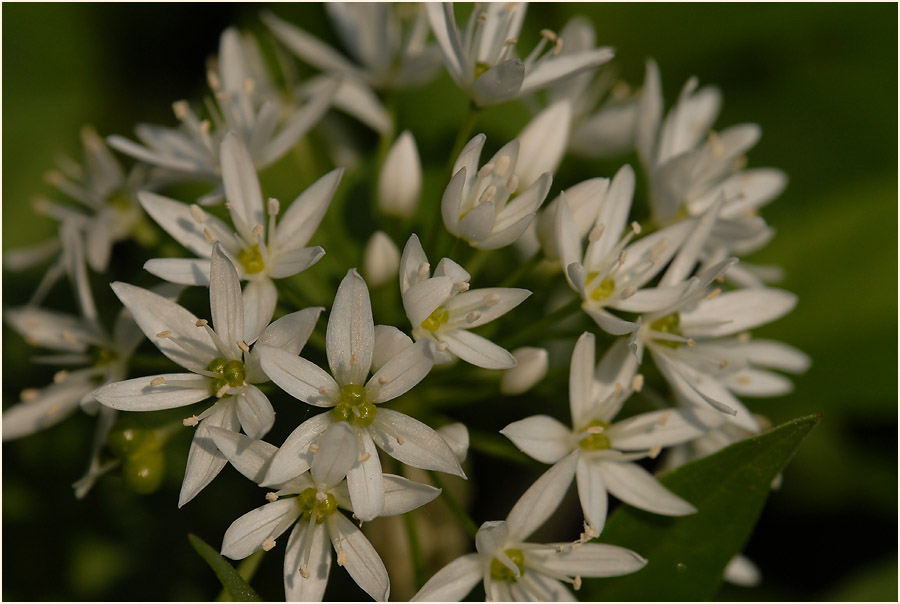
259 253
351 397
514 570
442 309
220 361
482 59
314 515
606 451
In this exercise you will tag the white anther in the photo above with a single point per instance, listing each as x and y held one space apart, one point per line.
304 571
636 227
321 496
622 256
383 380
511 41
205 126
210 238
268 544
492 299
713 293
341 558
29 394
720 279
201 323
257 230
744 379
513 183
442 346
222 391
158 381
271 496
323 391
723 364
214 82
60 376
557 47
399 440
743 337
51 177
191 421
314 448
223 96
249 85
596 232
55 409
482 17
274 206
364 458
664 418
618 389
595 430
181 109
473 316
637 382
423 269
691 342
549 34
164 334
628 292
654 452
460 286
576 584
243 345
659 247
488 194
716 145
502 165
69 337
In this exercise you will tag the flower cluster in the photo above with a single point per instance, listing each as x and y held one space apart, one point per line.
385 396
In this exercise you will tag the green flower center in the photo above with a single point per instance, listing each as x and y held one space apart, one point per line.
120 200
480 68
668 324
501 572
596 441
252 260
230 373
102 356
353 406
434 321
604 290
311 503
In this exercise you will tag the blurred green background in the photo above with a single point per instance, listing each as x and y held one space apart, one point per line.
818 78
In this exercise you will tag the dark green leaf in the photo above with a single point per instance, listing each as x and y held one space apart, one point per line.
232 582
687 555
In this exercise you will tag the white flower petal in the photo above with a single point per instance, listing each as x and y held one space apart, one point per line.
137 394
581 379
453 582
541 437
531 367
401 373
654 429
591 493
634 485
452 199
418 445
457 436
249 457
449 268
542 143
775 355
298 377
307 47
350 337
54 404
310 589
617 366
176 219
381 259
205 461
185 271
362 561
50 329
610 323
402 495
299 124
247 533
225 301
478 351
740 570
289 333
337 453
291 262
556 68
478 223
499 83
294 457
509 234
355 98
421 299
650 107
241 186
411 259
588 560
488 304
541 499
255 412
389 342
468 159
259 299
302 218
400 178
492 538
365 479
443 24
736 311
759 382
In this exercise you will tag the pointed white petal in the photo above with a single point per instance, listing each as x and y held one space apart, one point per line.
457 436
452 199
499 83
655 429
176 219
290 332
453 582
413 443
402 495
225 301
50 329
337 453
610 323
508 234
205 461
255 412
177 390
650 108
617 366
740 570
592 493
247 533
389 342
381 259
292 262
556 68
776 355
298 377
302 218
184 271
294 457
400 178
411 259
468 159
541 437
307 47
478 223
421 299
362 561
543 143
581 379
241 186
480 352
589 560
479 306
249 457
350 337
299 124
365 479
492 537
54 404
736 311
634 485
448 268
401 373
759 382
443 24
531 367
689 253
541 499
259 299
312 588
568 244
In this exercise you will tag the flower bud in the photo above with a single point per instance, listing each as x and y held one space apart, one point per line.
531 369
457 436
381 260
543 143
400 179
584 200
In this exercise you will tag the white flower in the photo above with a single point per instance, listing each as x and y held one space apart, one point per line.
482 61
314 515
584 201
442 309
257 258
542 144
350 347
220 362
244 103
606 451
476 204
531 367
400 178
514 570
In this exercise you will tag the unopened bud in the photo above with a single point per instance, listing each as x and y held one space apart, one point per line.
531 368
400 179
381 260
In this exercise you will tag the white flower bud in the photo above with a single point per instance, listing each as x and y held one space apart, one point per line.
400 179
543 143
584 200
531 369
457 436
381 260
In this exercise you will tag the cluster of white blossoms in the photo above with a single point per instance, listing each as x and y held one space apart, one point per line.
671 285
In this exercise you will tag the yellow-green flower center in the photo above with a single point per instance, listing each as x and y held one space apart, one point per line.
501 572
310 502
102 356
434 321
480 68
120 200
596 441
252 260
353 406
229 373
604 290
668 324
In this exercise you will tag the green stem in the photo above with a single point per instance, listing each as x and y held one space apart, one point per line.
415 549
454 506
463 136
537 329
246 569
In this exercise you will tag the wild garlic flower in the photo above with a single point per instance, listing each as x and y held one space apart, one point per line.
220 362
442 309
514 570
476 204
260 253
351 397
400 178
381 259
531 367
310 503
606 451
482 62
244 104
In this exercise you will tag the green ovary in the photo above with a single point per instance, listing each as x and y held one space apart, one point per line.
309 504
501 572
596 441
230 373
604 290
101 357
252 260
353 407
434 321
120 200
480 68
668 324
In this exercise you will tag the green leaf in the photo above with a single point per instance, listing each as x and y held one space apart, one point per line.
688 554
231 580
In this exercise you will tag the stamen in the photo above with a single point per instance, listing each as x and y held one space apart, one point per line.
222 391
190 422
205 125
271 496
715 143
314 448
513 183
274 206
485 170
488 194
636 227
577 583
502 165
511 41
364 458
268 544
713 293
622 256
342 558
60 376
399 439
158 381
423 269
654 452
549 34
321 496
243 346
354 359
473 316
383 380
442 346
723 364
164 334
323 391
69 337
691 342
257 230
201 323
596 232
210 238
29 394
618 389
628 292
460 286
744 380
595 429
181 109
304 571
492 299
664 418
249 85
637 382
743 337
